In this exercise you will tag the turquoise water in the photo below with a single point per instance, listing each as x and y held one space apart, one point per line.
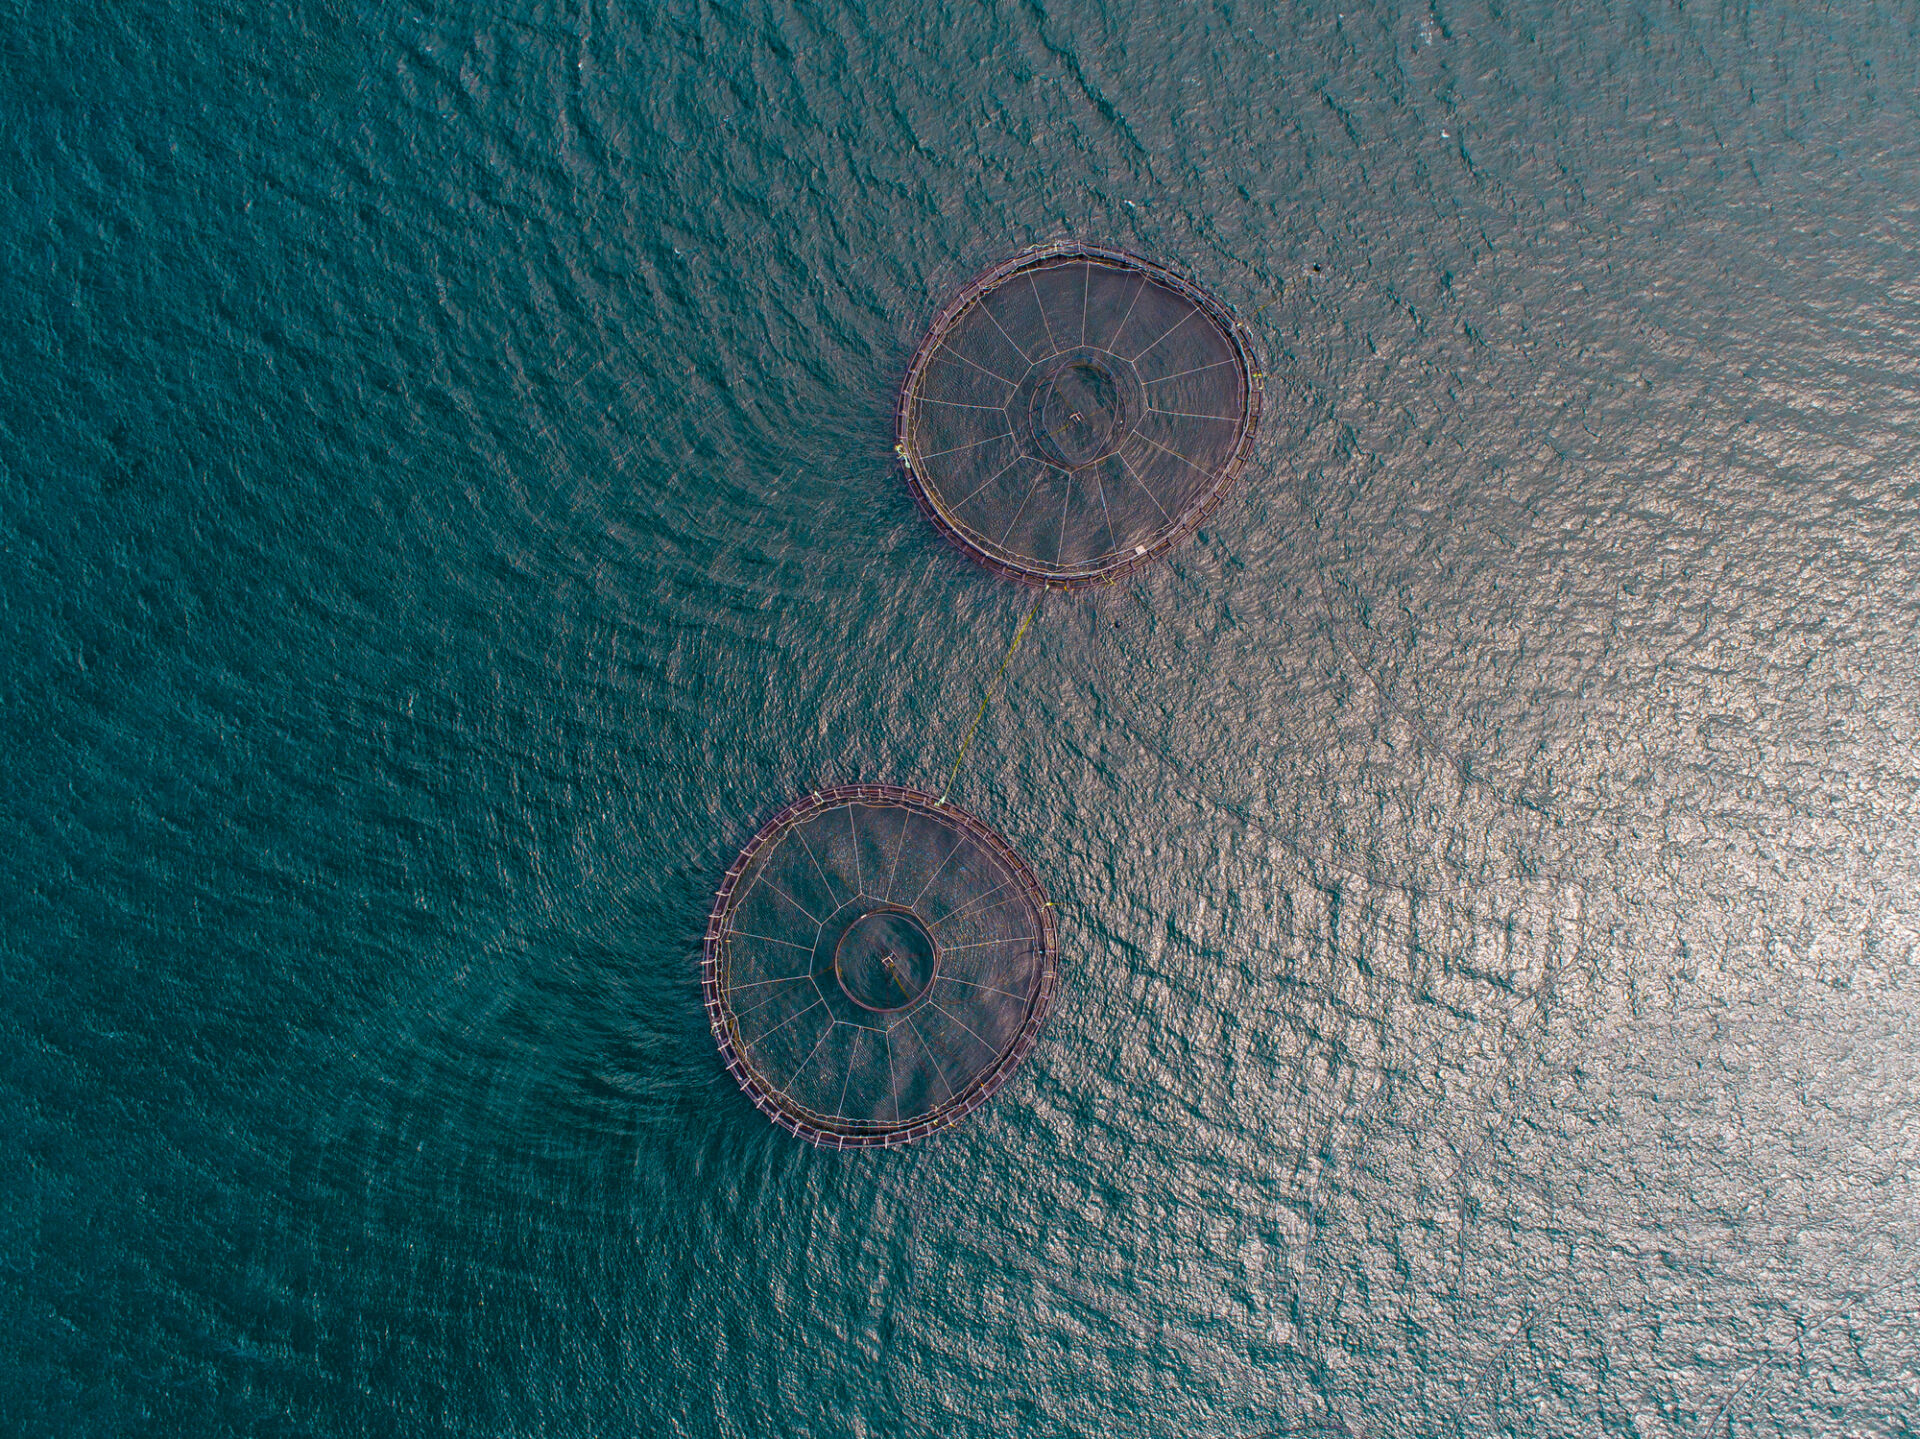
446 494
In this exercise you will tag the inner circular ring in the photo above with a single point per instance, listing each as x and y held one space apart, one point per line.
886 959
1079 411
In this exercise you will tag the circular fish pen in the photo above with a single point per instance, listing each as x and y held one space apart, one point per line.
1074 413
877 963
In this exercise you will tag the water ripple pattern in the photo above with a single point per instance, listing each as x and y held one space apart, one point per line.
448 492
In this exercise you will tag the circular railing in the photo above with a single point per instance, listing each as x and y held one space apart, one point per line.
1076 412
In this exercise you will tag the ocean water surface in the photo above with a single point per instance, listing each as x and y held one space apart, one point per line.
447 501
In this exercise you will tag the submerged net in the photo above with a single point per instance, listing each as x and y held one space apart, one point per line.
877 963
1076 412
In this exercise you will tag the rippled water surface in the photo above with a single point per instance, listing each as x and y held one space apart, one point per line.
446 491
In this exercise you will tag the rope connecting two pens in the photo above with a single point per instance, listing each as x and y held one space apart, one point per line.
993 687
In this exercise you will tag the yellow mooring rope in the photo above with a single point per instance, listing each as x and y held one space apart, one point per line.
987 699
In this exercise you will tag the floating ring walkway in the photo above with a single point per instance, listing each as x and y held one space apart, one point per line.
877 963
1076 412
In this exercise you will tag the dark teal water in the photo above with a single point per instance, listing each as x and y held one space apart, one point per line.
446 505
